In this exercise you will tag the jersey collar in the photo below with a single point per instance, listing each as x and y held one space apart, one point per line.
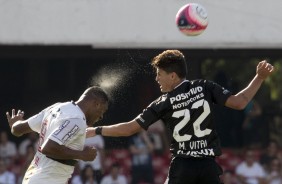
181 83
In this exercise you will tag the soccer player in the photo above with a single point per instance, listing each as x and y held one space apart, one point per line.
186 108
62 133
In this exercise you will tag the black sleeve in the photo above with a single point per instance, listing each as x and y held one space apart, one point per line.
219 93
152 113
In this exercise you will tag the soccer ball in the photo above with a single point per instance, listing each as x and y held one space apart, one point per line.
192 19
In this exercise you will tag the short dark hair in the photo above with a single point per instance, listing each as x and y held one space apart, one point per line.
98 92
171 61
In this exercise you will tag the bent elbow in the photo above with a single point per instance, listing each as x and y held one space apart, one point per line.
236 103
16 132
46 151
242 107
239 106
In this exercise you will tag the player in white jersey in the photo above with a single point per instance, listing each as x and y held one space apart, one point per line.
61 129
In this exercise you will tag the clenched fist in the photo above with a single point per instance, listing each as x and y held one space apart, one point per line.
89 153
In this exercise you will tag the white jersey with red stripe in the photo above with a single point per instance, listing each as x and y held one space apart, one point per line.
64 123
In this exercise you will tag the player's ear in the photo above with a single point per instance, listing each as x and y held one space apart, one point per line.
173 75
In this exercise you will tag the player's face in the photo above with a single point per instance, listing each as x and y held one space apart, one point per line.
165 80
97 112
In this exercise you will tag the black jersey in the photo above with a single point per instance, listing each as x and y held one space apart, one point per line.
187 113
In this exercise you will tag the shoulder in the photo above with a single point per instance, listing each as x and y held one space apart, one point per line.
70 110
159 102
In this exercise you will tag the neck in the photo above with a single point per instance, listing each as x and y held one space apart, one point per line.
82 106
177 82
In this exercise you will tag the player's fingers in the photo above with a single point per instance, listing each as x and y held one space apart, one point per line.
8 116
90 132
262 64
13 112
20 113
269 67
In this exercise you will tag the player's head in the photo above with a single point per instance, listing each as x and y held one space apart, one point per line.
171 69
94 103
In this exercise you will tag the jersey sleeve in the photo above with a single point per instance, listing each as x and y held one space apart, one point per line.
67 131
35 121
152 113
219 93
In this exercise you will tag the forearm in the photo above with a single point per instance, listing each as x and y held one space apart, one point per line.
116 130
20 128
121 129
249 92
56 151
241 99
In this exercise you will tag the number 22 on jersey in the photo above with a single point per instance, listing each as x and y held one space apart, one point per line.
196 124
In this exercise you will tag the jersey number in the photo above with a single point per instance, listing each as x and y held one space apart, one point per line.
196 125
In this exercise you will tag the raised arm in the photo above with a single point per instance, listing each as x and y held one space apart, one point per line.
241 99
18 125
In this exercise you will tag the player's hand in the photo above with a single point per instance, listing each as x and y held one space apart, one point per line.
90 132
89 153
14 117
264 69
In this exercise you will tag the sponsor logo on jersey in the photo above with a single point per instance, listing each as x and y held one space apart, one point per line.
198 153
62 127
186 103
73 131
183 96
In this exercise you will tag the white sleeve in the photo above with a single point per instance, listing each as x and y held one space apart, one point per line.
35 121
67 130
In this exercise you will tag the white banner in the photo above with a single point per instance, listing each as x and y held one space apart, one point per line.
139 24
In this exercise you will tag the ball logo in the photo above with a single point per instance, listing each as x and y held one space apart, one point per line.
201 12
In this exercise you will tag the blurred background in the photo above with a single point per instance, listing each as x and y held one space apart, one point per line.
50 51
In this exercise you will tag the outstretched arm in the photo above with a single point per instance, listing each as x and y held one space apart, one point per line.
241 99
18 125
117 130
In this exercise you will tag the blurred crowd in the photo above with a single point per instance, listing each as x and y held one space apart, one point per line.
252 165
145 160
137 163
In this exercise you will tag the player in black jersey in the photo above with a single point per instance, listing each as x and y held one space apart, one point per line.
186 109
